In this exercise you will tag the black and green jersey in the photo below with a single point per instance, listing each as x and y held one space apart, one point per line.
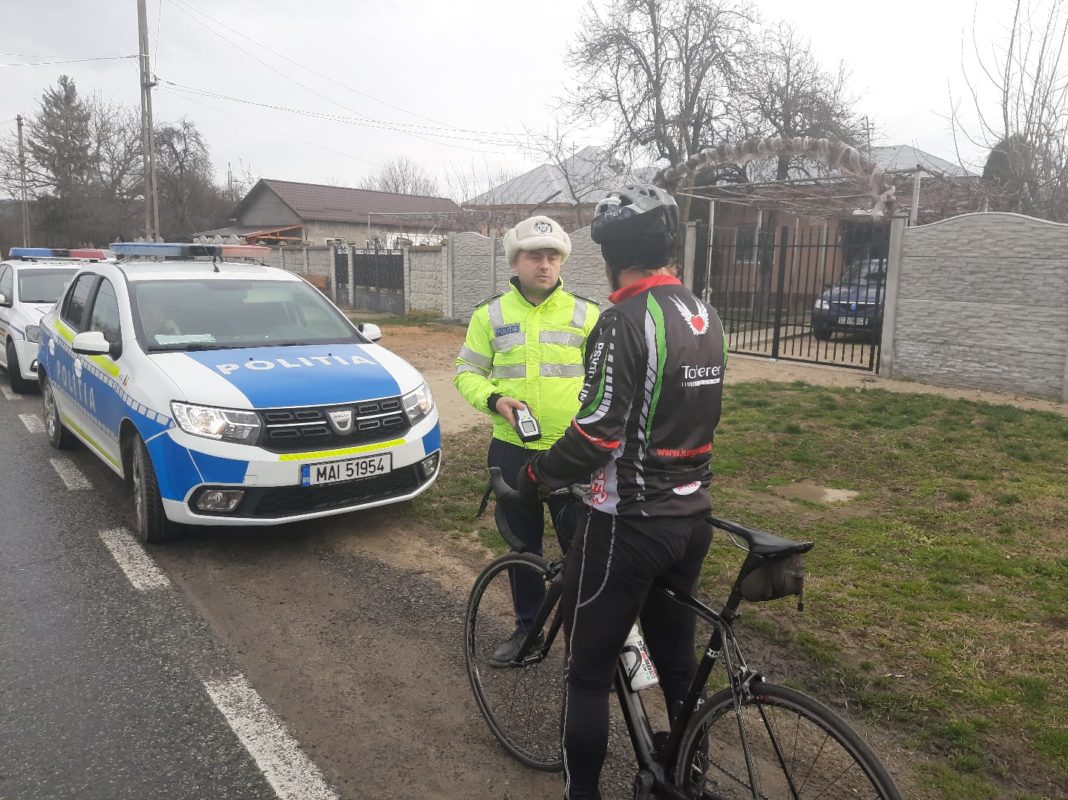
651 400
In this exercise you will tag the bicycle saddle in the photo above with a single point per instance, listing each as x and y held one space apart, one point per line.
760 542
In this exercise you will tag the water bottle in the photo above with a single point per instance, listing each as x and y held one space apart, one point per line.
636 662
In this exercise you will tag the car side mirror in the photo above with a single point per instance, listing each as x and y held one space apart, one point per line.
91 343
370 330
4 301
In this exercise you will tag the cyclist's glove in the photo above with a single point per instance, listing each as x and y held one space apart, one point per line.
530 490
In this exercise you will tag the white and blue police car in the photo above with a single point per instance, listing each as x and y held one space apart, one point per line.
230 393
30 283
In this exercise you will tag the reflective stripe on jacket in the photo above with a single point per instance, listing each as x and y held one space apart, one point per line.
532 353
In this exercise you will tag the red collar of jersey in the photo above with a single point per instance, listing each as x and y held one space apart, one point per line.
631 289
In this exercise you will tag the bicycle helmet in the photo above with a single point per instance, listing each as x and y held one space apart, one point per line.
635 212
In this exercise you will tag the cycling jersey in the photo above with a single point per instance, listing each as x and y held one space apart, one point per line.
650 405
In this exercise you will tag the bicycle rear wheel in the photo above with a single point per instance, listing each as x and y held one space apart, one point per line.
797 748
521 702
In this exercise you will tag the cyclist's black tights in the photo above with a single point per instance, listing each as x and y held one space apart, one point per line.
610 569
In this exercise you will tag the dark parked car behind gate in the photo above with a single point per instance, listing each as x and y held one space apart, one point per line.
855 303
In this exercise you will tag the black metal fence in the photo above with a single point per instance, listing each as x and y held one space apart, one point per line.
378 280
799 292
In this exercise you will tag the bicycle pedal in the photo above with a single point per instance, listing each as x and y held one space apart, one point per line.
643 785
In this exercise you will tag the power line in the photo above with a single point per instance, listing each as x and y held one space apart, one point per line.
315 72
297 82
364 122
269 128
68 61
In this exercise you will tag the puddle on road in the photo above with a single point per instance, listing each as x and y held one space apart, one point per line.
814 493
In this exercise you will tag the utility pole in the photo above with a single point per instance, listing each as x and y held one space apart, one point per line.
868 128
147 137
22 184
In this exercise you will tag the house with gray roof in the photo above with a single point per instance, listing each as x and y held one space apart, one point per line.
288 212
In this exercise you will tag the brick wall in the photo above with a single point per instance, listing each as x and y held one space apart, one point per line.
982 302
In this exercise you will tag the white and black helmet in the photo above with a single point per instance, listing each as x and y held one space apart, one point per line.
634 213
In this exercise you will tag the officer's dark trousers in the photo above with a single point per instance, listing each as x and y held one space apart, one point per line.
528 523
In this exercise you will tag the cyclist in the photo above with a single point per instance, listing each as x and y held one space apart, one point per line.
650 405
525 347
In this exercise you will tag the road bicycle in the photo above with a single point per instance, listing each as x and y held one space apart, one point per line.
752 739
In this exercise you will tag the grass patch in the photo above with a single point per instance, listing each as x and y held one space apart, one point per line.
934 601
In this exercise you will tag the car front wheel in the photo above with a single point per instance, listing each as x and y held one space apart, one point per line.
14 372
150 520
58 435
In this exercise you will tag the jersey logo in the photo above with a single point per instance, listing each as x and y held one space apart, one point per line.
698 321
506 329
688 488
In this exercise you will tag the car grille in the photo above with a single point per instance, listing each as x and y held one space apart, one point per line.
286 501
289 430
863 309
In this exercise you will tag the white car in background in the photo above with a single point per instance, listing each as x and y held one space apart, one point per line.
30 283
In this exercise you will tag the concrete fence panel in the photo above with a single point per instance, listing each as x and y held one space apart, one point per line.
981 301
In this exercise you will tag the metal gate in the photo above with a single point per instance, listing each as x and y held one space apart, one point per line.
805 291
341 274
378 280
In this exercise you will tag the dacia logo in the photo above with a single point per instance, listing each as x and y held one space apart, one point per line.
340 420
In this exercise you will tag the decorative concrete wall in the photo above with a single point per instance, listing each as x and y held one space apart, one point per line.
980 301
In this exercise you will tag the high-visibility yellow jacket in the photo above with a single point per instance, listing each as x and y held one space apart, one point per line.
532 353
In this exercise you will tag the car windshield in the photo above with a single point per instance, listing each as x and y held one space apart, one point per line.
221 314
865 272
43 285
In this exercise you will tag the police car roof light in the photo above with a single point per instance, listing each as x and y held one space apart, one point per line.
83 253
180 250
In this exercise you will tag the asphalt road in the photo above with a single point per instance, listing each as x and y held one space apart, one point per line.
320 660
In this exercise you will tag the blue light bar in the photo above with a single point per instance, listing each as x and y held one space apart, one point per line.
179 250
30 252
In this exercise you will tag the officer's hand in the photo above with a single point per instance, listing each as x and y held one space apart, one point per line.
506 407
530 491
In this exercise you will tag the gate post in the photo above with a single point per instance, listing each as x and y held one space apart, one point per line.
352 276
446 283
493 262
898 224
783 236
689 254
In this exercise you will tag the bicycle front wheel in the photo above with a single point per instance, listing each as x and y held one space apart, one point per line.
521 700
781 744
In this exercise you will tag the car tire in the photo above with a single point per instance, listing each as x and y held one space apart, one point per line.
58 435
150 520
19 385
823 334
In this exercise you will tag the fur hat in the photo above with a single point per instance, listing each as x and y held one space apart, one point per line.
537 233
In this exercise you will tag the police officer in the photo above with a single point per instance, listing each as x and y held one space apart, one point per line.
525 347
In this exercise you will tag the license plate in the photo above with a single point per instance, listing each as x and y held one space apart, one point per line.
852 321
352 469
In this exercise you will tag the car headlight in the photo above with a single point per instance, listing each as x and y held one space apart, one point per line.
33 333
822 305
227 424
419 403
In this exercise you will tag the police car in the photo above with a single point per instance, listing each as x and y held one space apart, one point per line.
30 283
230 393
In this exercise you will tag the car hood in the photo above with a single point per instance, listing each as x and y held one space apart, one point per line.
863 293
278 377
36 311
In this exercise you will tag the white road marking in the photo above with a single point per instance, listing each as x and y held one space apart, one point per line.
290 772
70 474
33 423
8 394
134 561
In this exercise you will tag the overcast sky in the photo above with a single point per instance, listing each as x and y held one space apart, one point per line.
442 83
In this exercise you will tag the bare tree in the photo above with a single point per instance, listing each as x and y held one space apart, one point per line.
784 91
586 173
661 71
401 175
189 198
1025 132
